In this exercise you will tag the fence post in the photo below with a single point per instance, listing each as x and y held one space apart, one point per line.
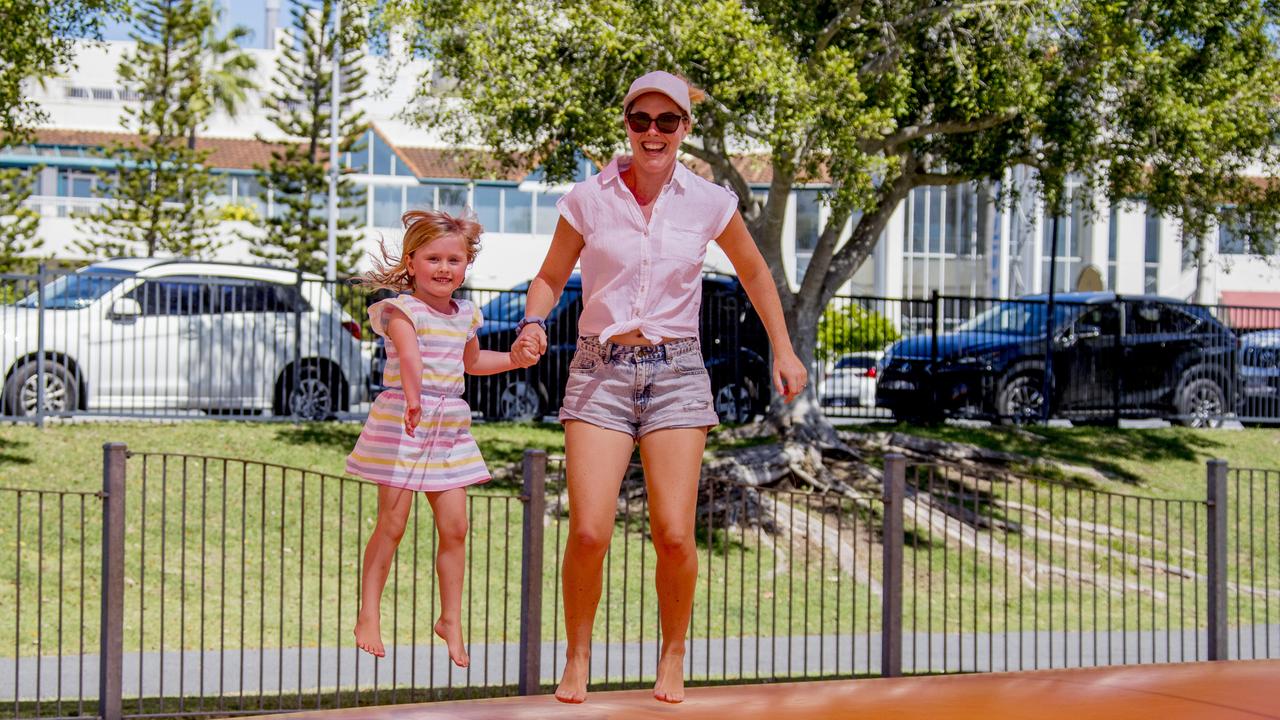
535 504
891 598
40 368
111 657
1217 548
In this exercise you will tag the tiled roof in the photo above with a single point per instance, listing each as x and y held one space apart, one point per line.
226 153
460 164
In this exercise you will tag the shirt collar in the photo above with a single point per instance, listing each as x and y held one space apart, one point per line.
613 172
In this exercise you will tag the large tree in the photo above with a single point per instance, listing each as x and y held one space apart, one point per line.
37 41
1170 100
18 223
297 232
158 188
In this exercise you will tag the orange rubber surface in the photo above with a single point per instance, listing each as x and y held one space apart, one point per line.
1194 691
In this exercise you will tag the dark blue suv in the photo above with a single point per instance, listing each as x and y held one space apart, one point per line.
735 349
1131 356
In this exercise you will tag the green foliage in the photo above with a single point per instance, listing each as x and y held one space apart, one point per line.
159 188
18 223
852 328
37 41
296 234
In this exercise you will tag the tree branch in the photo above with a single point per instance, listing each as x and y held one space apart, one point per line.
722 168
837 24
946 127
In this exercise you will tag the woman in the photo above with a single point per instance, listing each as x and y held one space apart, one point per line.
641 229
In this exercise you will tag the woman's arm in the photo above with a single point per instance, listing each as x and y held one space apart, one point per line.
488 362
400 331
789 374
545 289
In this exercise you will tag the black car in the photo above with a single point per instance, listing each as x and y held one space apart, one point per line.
1132 357
1260 376
734 349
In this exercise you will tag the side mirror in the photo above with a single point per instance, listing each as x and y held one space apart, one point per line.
125 309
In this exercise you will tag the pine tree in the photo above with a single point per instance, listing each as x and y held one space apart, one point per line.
296 232
159 189
18 223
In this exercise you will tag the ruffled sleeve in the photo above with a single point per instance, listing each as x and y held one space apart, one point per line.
381 312
477 321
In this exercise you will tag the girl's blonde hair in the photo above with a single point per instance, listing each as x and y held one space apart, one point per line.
421 228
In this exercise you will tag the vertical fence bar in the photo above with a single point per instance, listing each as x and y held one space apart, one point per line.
891 609
110 663
535 502
40 341
1217 551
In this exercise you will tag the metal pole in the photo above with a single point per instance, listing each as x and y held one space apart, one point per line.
40 368
535 505
891 600
331 246
1217 549
111 657
1047 384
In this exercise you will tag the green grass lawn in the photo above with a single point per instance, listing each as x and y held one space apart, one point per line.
247 555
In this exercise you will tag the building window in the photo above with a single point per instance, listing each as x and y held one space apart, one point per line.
452 199
103 94
943 251
387 206
420 197
78 93
1113 235
1230 240
807 229
1151 258
517 211
547 215
488 205
1070 235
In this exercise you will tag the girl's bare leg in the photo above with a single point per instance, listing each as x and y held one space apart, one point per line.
450 509
393 511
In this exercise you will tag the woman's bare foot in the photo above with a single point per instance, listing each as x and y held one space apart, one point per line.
670 685
451 632
573 683
369 634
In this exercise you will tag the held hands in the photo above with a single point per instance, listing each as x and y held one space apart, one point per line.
789 375
412 416
529 346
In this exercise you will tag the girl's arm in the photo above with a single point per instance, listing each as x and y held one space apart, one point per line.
489 362
545 289
789 374
401 332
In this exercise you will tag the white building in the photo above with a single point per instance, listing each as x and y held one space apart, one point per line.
954 240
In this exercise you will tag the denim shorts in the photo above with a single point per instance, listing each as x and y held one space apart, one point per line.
637 389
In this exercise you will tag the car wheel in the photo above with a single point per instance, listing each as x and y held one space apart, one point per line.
733 403
1021 400
22 391
1201 404
312 394
519 401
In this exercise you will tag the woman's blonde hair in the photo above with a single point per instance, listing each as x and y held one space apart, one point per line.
421 228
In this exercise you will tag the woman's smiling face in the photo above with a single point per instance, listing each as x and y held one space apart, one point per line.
654 151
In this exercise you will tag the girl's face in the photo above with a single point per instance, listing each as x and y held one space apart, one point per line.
439 267
653 150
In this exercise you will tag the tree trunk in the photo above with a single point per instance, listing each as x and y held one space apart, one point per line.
802 420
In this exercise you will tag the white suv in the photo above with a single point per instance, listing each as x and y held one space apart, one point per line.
148 336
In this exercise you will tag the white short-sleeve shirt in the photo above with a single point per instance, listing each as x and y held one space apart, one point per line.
644 276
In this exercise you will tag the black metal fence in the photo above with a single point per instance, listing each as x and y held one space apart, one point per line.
195 586
182 339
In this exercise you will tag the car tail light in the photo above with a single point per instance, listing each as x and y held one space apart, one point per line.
352 327
871 371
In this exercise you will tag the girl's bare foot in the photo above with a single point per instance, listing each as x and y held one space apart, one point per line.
369 635
670 685
451 632
573 683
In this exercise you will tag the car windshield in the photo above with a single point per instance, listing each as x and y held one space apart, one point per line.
1017 318
76 290
856 361
508 306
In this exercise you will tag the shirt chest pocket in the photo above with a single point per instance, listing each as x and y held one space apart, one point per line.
683 246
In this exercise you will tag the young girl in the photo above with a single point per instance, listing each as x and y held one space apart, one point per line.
418 437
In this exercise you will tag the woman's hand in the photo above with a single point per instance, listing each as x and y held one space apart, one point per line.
789 375
412 416
529 346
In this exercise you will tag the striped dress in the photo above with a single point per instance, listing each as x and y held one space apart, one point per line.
442 454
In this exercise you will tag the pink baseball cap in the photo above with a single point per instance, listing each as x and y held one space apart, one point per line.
660 82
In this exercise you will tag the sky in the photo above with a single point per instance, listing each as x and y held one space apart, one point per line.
250 13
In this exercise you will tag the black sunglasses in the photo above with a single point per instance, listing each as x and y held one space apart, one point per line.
668 122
